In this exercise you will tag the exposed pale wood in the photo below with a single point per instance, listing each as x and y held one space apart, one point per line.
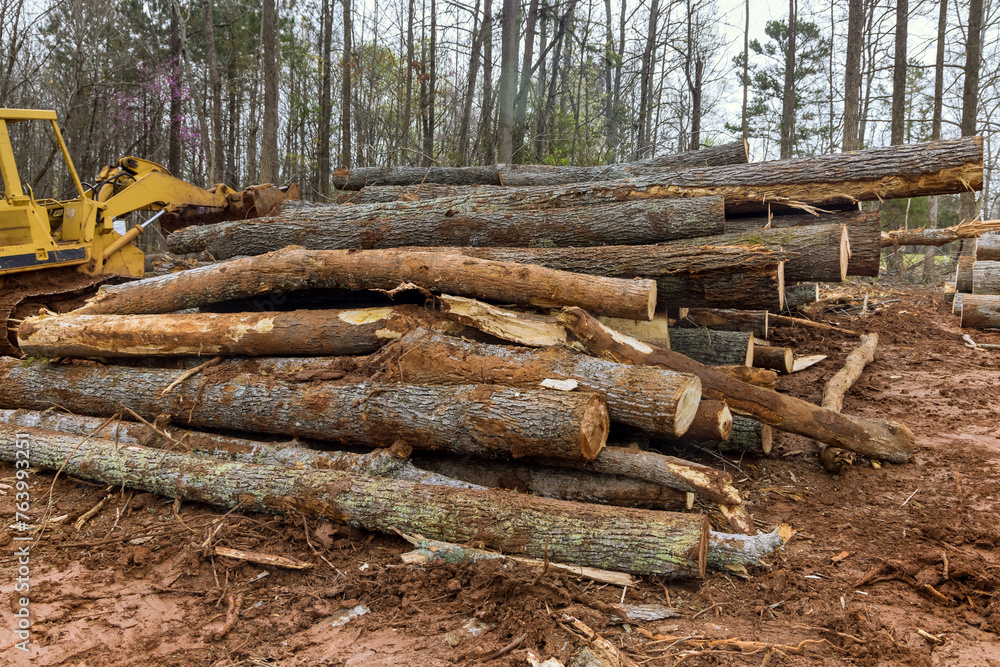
656 401
785 321
263 559
980 311
635 541
755 321
838 385
938 237
488 421
759 377
656 331
775 358
985 277
802 363
524 328
877 438
732 549
714 348
713 421
295 269
956 304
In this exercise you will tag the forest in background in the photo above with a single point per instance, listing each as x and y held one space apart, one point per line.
289 90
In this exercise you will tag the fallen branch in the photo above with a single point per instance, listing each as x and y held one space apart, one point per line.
834 459
939 237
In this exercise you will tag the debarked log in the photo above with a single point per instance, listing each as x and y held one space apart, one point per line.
629 540
296 269
300 332
425 224
980 311
488 421
379 462
714 348
656 401
876 438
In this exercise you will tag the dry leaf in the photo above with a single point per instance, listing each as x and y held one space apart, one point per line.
841 556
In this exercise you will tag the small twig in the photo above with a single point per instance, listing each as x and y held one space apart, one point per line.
89 514
910 496
190 373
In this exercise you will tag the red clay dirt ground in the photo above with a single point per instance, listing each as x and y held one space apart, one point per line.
135 586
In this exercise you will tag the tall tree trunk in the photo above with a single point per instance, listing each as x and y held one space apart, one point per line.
470 89
932 202
508 79
269 140
746 66
432 92
486 136
970 93
646 82
217 158
788 101
407 107
521 102
325 101
174 140
852 75
898 120
345 93
618 72
609 102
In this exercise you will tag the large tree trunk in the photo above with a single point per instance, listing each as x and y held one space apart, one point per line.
881 439
727 320
897 123
985 277
352 227
864 230
656 402
714 348
852 75
628 540
295 269
988 248
823 250
712 421
509 40
486 421
269 164
979 311
789 94
295 333
970 94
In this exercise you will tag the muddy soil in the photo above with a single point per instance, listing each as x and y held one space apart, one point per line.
890 565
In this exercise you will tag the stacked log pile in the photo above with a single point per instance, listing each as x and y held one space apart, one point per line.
977 284
526 338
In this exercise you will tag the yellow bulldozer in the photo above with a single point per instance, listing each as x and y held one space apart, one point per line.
60 250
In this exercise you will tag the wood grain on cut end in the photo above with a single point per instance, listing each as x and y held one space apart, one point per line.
703 549
774 358
845 254
652 303
713 421
687 406
594 427
766 438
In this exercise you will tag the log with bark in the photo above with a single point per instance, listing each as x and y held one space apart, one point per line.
533 174
979 311
963 273
384 194
759 377
774 358
747 436
714 348
801 295
487 421
425 223
864 233
833 458
726 319
822 250
712 421
985 277
295 333
657 402
988 247
297 269
708 276
956 304
636 541
876 438
939 237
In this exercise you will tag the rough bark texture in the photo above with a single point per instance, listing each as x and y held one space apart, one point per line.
979 311
300 332
801 295
486 421
714 348
292 454
530 174
748 436
985 277
988 248
822 250
295 269
433 223
938 237
656 402
963 273
773 358
629 540
551 482
755 321
864 233
956 304
712 421
882 439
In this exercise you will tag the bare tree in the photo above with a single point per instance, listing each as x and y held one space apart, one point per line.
269 140
970 92
508 80
788 97
852 75
898 124
646 84
345 92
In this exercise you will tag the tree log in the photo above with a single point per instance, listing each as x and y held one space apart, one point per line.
629 540
487 421
985 277
774 358
534 174
956 304
801 295
712 421
988 247
755 321
384 194
876 438
748 436
963 273
552 482
296 333
823 250
691 276
380 462
939 237
835 389
864 233
979 311
426 223
657 402
714 348
759 377
295 269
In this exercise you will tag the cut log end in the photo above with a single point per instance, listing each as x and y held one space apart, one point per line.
703 549
780 359
845 254
748 361
687 406
652 303
594 427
